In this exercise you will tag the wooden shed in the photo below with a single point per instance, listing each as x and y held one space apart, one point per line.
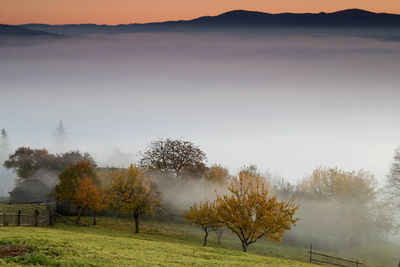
38 188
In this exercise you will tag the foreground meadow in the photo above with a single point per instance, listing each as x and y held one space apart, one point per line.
102 246
112 243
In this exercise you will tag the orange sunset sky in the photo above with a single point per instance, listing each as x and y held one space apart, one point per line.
129 11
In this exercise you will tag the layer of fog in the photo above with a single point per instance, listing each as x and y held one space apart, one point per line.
288 102
7 177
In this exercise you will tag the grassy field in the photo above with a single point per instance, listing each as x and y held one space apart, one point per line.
112 242
98 246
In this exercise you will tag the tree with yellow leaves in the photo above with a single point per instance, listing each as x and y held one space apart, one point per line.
352 197
333 183
88 195
217 174
133 193
204 215
251 212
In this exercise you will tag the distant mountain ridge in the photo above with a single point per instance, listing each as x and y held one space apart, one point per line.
21 31
350 18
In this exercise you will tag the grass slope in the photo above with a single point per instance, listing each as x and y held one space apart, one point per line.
112 238
98 246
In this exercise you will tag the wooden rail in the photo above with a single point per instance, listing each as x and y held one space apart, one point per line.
23 219
327 259
67 220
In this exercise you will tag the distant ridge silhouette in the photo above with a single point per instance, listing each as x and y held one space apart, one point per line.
21 31
238 19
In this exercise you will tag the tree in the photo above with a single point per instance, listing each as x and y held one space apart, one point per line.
26 161
71 157
174 158
4 145
7 178
283 188
70 179
346 202
217 174
333 183
392 187
204 215
4 133
251 170
60 136
60 130
133 193
251 213
88 195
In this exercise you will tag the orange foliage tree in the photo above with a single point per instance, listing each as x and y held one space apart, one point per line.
69 183
133 193
251 212
217 174
204 215
88 195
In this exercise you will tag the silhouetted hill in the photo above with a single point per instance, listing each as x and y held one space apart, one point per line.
239 19
345 18
21 31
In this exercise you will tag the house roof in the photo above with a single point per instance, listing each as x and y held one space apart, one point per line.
35 189
48 178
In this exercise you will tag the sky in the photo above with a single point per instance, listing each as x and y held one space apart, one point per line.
130 11
287 102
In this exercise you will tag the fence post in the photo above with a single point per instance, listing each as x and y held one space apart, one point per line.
50 217
19 218
36 217
5 219
310 253
357 262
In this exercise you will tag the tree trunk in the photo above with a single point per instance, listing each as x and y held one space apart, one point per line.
79 214
94 218
83 211
136 216
205 237
219 235
244 247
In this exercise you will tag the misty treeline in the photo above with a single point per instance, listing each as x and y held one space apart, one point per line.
30 159
336 208
25 161
7 177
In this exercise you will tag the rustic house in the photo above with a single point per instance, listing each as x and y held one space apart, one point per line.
39 188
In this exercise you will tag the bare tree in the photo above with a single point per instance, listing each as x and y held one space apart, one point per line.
392 188
394 174
174 158
4 145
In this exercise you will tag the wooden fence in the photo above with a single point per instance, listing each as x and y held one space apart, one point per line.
24 219
331 261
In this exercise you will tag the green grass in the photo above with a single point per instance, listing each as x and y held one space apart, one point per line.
101 246
112 242
372 254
